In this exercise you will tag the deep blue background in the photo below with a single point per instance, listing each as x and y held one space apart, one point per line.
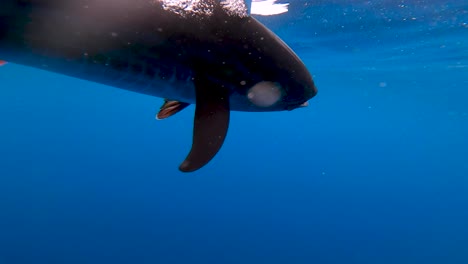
375 170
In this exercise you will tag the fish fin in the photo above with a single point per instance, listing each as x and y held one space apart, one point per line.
170 108
210 126
2 62
239 8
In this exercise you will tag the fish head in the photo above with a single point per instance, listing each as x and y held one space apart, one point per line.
291 87
274 77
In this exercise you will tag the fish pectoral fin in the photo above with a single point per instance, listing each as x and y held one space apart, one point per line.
2 62
170 108
211 124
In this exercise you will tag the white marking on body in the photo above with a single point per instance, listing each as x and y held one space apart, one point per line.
264 94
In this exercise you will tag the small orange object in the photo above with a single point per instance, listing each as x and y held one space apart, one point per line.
2 62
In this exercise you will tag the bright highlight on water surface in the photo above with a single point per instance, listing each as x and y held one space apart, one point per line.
268 7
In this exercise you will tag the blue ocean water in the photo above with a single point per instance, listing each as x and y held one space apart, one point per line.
375 170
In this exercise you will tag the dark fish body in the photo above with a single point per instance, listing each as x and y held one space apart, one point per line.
211 57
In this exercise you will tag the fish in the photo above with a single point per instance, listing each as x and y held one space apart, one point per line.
209 53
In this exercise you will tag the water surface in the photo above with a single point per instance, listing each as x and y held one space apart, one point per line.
375 170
